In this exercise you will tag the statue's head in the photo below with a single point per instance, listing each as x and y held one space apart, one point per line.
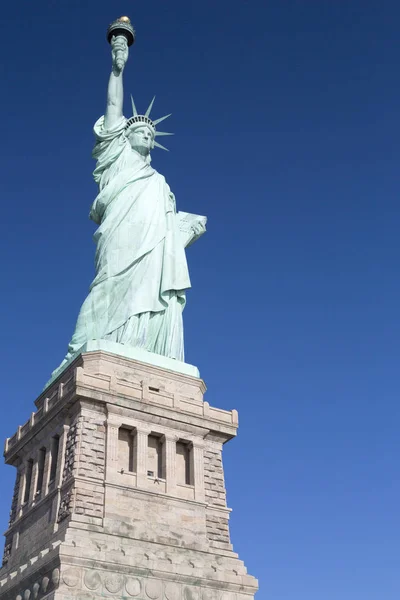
141 132
141 139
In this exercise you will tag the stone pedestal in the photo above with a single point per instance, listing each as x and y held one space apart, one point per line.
120 489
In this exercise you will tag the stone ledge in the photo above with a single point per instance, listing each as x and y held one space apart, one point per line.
137 354
37 562
140 491
191 571
60 566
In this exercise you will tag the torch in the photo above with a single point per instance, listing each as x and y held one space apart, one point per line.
121 26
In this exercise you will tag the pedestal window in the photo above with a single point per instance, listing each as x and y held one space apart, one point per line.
28 480
55 442
127 450
184 464
40 473
155 457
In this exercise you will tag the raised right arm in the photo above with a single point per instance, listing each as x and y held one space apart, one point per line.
115 92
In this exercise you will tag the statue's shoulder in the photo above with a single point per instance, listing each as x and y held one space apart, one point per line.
104 134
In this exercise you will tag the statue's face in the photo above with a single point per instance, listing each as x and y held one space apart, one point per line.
141 140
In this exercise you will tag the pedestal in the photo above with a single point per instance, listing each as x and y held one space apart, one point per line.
120 489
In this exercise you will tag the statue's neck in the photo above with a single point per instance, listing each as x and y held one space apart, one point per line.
146 159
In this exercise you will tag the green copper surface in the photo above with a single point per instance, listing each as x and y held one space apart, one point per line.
139 290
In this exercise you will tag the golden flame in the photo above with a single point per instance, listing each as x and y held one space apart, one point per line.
124 19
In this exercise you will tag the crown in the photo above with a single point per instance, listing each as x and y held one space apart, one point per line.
139 120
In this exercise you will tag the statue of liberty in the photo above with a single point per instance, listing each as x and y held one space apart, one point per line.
138 293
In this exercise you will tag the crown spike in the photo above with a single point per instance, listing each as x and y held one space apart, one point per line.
148 111
134 111
161 119
163 133
160 146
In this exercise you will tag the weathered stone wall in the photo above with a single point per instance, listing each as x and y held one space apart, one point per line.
85 461
66 506
214 478
7 550
14 501
92 450
89 496
217 522
35 529
89 499
72 447
154 518
218 528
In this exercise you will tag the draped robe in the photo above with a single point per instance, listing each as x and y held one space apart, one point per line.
138 293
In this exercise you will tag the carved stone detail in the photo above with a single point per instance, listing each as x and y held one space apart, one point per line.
153 589
92 580
45 584
172 591
55 577
71 577
133 587
114 582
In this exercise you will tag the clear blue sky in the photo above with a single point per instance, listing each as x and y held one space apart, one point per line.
286 115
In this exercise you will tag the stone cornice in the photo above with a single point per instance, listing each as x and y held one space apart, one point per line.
106 378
